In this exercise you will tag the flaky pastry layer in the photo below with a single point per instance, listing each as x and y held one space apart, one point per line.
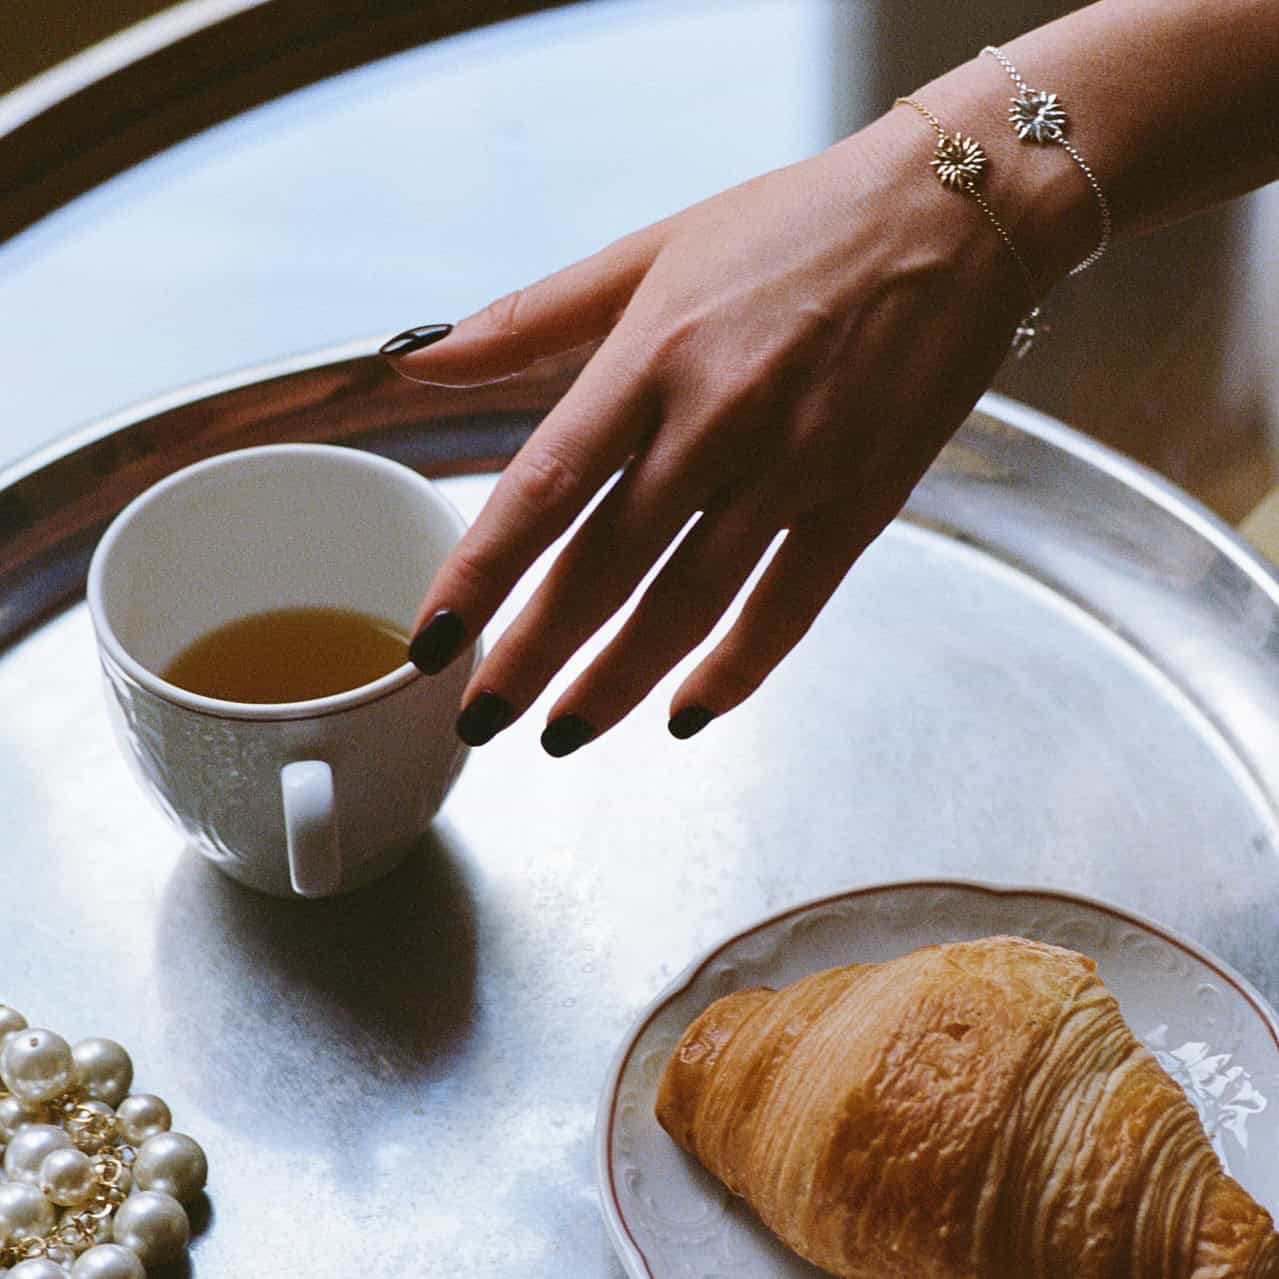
978 1110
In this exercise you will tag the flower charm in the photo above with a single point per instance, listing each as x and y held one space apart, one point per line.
1037 116
958 162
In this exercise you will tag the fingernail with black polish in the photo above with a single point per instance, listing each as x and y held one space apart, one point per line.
415 339
438 642
689 720
564 734
483 717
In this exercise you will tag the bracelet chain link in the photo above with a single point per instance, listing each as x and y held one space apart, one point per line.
958 163
1039 117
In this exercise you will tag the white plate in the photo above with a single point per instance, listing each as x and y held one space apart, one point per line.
1211 1030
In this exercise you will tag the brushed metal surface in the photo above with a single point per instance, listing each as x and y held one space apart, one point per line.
1055 670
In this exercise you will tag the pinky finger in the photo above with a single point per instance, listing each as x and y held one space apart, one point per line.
810 563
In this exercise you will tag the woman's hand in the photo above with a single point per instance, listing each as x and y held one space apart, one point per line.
792 354
788 355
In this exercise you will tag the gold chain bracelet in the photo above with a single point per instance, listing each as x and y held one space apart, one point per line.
959 162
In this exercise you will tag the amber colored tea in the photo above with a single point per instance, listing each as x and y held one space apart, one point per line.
289 655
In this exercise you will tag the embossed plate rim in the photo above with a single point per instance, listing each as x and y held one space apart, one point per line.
627 1247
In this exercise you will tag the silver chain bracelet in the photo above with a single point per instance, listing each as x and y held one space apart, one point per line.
1040 117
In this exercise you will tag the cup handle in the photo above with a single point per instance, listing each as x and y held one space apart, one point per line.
310 821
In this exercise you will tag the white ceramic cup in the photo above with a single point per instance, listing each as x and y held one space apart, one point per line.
314 797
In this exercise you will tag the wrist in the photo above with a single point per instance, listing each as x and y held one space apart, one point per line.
1042 195
942 238
951 233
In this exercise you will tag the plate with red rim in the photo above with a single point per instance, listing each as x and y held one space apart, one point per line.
1207 1025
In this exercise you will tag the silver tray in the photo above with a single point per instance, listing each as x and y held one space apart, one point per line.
1054 669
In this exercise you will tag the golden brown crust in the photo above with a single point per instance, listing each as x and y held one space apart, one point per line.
972 1111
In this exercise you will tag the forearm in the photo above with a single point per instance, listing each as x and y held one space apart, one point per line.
1173 103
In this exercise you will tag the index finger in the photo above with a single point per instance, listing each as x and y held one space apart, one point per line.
571 308
589 435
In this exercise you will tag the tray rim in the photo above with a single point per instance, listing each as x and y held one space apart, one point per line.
1003 408
359 354
1142 479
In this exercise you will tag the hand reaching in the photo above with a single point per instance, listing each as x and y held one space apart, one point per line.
789 356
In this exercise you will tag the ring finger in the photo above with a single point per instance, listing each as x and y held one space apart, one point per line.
681 606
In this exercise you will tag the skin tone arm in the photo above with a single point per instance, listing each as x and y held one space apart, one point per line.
793 353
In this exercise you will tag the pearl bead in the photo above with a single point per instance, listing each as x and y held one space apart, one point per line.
23 1211
104 1069
154 1225
108 1261
10 1020
29 1147
36 1064
66 1176
142 1116
38 1268
172 1162
13 1114
84 1137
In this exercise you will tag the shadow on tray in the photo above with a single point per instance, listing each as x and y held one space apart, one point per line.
363 997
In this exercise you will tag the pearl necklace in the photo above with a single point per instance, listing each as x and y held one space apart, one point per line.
94 1180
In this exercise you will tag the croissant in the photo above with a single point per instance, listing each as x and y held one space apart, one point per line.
978 1110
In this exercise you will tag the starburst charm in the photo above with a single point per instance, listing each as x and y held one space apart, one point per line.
1038 116
958 162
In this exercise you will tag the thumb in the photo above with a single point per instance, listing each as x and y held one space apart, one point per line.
572 308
